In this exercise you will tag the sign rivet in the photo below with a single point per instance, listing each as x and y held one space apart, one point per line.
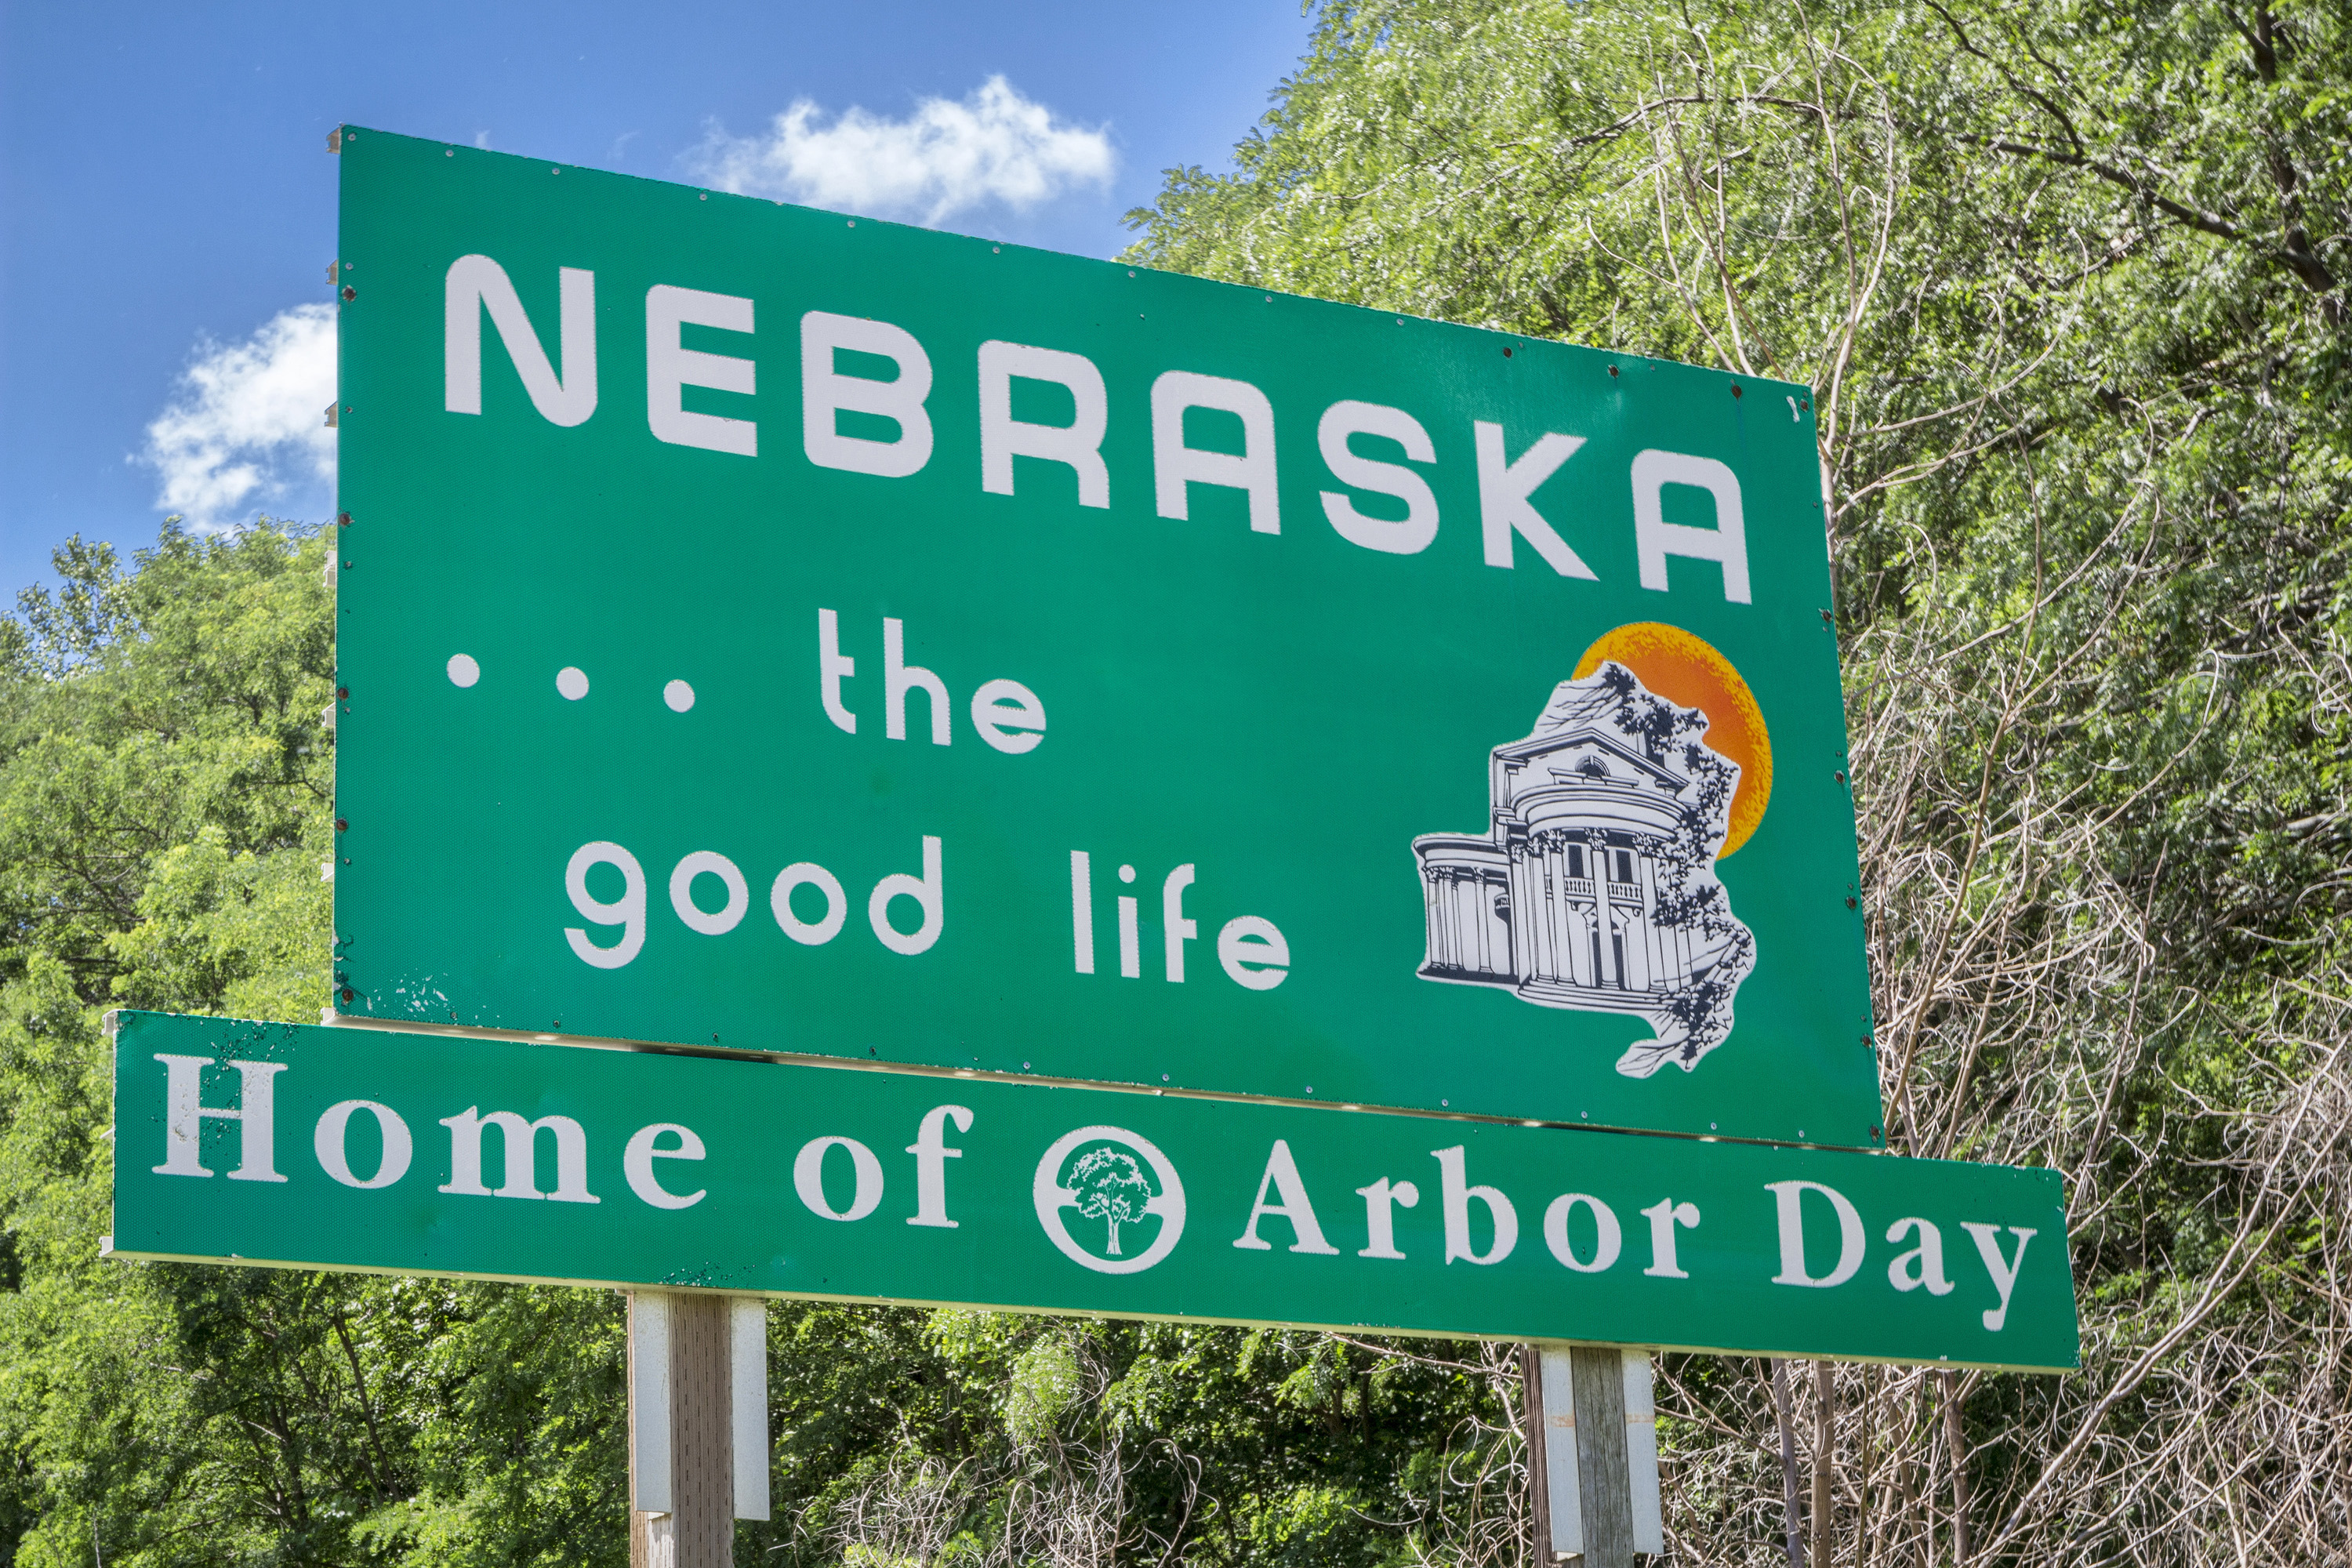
349 292
349 994
341 826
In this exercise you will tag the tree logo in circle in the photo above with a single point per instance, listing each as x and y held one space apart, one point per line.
1119 1184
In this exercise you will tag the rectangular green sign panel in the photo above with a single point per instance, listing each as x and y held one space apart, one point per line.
770 629
412 1153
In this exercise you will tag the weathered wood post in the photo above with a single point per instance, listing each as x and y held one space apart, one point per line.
697 1425
1598 1453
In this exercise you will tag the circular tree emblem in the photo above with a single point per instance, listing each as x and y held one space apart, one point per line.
1113 1178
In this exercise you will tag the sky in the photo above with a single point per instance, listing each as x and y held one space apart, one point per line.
167 204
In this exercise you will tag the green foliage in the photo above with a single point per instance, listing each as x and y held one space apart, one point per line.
164 816
2066 281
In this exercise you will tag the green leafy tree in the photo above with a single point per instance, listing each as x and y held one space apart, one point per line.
165 816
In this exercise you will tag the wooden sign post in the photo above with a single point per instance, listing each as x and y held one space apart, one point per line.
697 1425
1592 1452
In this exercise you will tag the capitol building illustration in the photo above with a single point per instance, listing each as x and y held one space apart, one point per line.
1594 887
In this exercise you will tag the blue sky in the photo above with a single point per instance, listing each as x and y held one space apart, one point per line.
167 203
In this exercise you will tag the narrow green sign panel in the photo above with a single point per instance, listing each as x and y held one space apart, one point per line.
771 630
416 1154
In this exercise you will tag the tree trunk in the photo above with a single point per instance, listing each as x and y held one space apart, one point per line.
1796 1531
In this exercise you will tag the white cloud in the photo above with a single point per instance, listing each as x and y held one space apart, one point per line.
247 423
995 145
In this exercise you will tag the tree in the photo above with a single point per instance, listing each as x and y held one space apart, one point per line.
165 810
1111 1186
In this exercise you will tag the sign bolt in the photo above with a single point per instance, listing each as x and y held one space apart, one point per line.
349 994
342 825
349 292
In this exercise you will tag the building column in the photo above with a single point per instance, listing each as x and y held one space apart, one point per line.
1562 933
1459 938
1429 916
1516 881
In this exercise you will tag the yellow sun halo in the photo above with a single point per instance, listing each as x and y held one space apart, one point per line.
1684 670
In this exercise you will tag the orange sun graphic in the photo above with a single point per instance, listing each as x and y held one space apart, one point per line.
1684 670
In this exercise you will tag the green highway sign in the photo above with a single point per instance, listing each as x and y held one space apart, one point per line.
771 630
420 1153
